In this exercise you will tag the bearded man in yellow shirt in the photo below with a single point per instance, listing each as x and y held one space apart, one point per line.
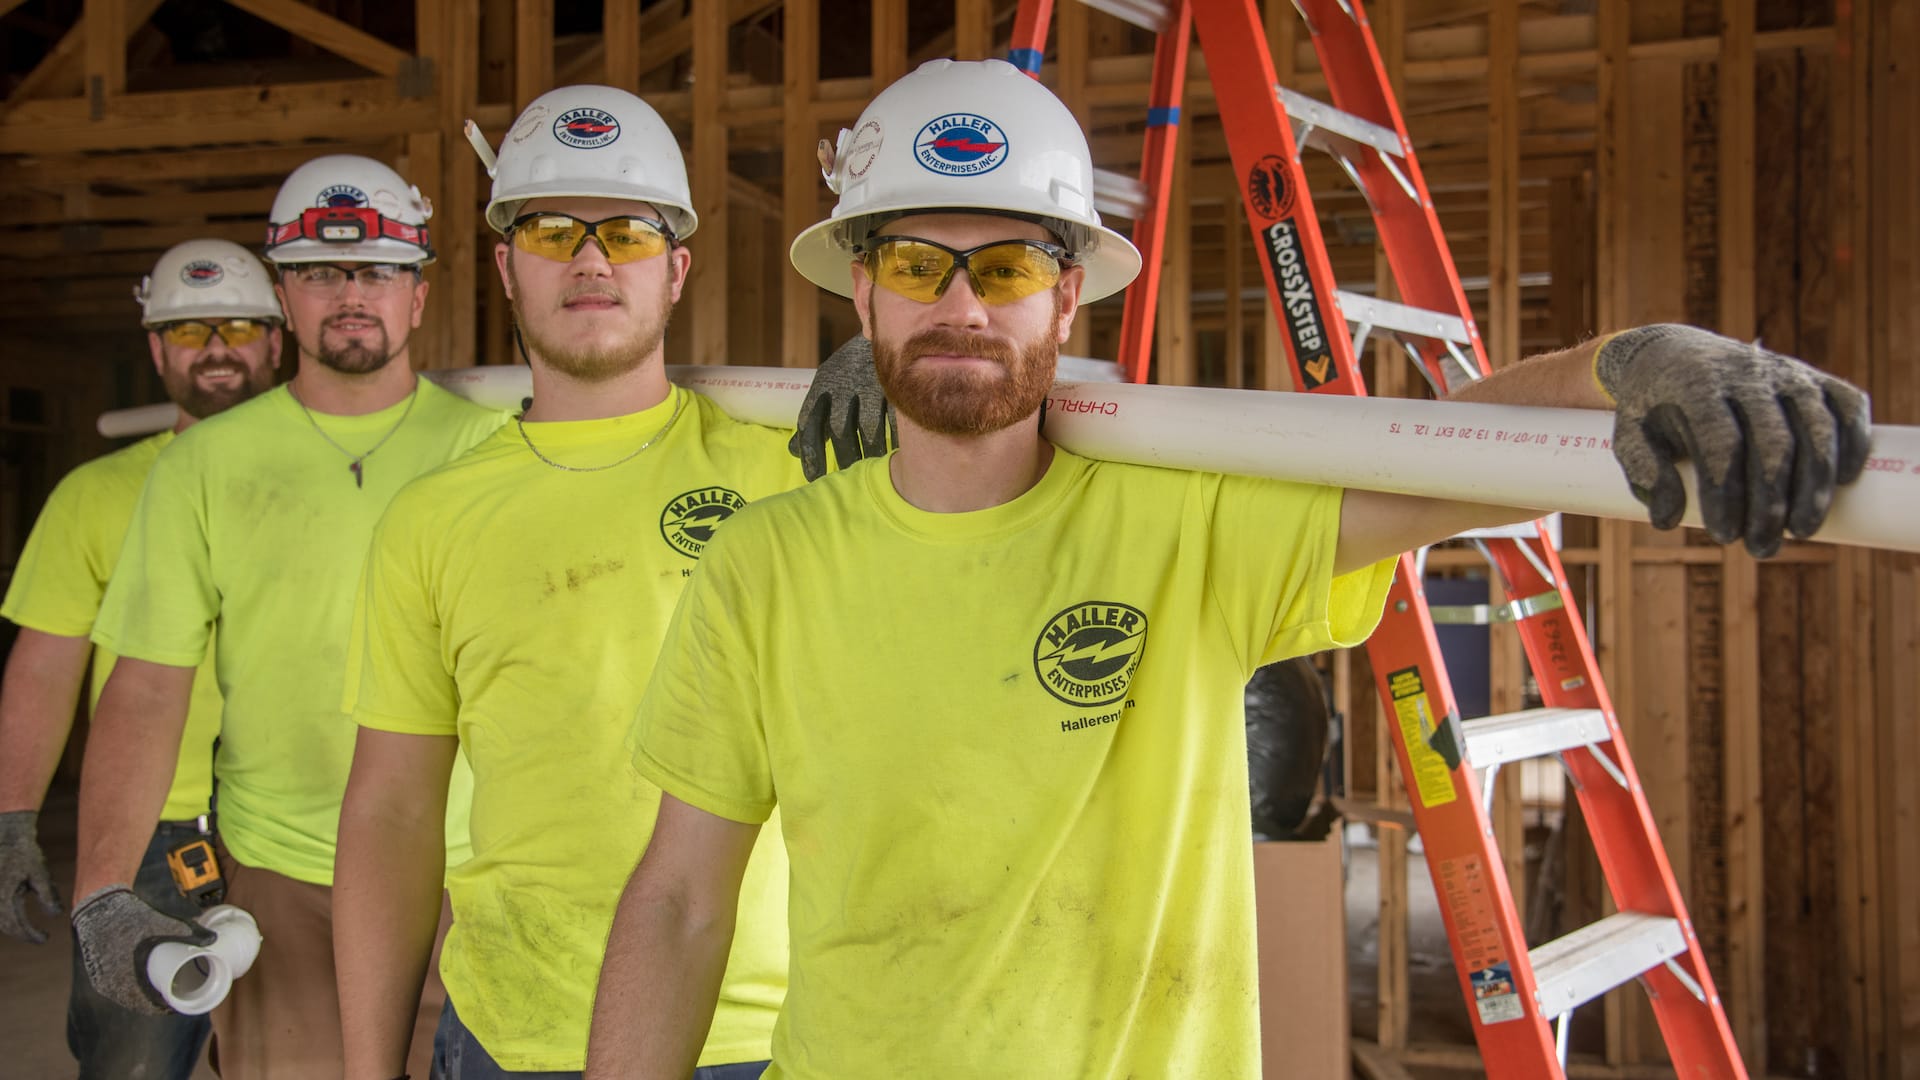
513 601
258 520
996 689
213 328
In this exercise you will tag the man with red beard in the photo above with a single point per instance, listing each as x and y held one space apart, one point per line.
513 602
213 327
258 520
996 689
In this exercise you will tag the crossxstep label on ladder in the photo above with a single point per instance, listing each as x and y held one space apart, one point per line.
1469 895
1431 776
1270 188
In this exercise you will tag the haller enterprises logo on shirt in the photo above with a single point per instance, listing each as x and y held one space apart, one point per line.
689 520
1086 655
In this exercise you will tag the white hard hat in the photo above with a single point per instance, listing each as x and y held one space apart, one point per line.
588 142
965 135
346 208
206 279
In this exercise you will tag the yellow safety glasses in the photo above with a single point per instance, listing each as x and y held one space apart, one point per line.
194 333
560 237
1000 272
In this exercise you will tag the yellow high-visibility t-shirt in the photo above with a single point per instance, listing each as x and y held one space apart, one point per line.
63 573
1009 755
253 521
518 606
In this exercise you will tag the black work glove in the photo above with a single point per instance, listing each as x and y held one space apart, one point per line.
117 931
1769 436
23 871
844 406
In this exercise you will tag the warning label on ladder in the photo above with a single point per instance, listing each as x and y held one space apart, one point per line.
1431 776
1476 933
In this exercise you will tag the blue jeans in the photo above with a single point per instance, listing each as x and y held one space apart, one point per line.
457 1055
110 1042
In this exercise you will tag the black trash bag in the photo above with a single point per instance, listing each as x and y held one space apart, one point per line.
1288 725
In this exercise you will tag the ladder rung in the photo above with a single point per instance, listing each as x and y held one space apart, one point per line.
1118 193
1531 733
1388 316
1592 960
1322 118
1145 14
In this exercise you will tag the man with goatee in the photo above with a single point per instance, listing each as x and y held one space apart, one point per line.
213 329
995 690
258 520
513 602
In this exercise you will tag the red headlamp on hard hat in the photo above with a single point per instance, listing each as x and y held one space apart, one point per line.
346 225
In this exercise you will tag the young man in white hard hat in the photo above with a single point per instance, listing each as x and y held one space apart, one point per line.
259 520
513 601
1010 763
213 329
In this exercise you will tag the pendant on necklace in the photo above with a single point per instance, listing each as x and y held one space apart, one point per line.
358 479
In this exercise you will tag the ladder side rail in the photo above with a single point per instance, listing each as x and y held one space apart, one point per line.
1170 52
1280 213
1621 822
1484 932
1409 228
1027 48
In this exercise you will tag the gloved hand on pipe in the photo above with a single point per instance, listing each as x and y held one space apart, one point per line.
23 871
846 407
116 931
1769 436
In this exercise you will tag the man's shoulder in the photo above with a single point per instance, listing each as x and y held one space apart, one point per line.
720 430
448 409
834 501
115 472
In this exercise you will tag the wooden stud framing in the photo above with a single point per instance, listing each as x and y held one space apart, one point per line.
972 29
800 198
533 50
622 36
708 285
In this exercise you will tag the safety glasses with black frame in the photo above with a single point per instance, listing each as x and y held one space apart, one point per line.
1000 272
328 280
196 333
561 237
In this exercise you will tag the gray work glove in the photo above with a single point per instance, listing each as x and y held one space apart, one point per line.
23 870
1769 436
844 406
117 930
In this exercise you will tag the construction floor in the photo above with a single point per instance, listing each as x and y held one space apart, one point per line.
33 979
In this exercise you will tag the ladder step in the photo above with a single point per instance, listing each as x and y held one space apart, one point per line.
1386 316
1531 733
1119 194
1592 960
1148 15
1324 127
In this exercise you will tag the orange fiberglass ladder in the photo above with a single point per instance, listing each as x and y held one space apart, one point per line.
1514 996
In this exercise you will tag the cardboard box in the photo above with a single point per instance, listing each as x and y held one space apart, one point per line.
1300 896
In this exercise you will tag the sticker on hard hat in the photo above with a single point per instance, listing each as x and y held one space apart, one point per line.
342 195
586 129
202 273
961 144
863 149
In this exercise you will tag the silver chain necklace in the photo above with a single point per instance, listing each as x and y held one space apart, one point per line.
353 459
679 402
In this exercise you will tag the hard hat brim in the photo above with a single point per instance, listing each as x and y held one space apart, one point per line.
820 258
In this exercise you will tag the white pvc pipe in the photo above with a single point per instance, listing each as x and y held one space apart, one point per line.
1508 455
194 979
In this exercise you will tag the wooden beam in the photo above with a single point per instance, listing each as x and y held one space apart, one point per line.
533 50
177 206
708 285
105 25
1233 232
972 29
621 33
349 109
58 74
800 193
1502 333
84 239
329 33
1175 360
889 42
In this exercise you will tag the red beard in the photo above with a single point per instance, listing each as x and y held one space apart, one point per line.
967 402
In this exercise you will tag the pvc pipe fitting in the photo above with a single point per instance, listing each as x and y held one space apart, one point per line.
193 979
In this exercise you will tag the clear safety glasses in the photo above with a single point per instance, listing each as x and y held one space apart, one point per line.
195 333
328 280
1000 272
560 237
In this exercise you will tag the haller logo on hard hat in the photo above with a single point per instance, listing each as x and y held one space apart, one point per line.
586 129
961 144
202 273
341 195
689 520
1086 655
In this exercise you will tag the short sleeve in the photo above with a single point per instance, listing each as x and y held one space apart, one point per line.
162 601
699 730
59 580
1271 570
397 673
